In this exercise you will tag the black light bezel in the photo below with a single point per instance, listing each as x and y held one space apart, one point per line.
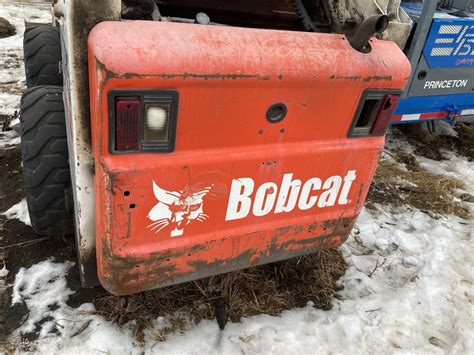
147 96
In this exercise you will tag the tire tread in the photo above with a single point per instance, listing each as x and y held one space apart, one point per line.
45 160
42 55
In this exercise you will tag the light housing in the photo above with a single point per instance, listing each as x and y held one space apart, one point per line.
142 120
373 114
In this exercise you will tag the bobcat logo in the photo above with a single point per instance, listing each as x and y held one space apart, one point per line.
177 209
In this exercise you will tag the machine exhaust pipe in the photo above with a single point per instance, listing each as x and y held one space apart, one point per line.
366 30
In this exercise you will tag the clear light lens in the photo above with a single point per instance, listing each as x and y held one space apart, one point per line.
156 123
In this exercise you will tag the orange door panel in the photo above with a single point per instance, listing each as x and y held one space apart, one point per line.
263 156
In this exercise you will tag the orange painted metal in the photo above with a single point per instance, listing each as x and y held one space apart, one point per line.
227 78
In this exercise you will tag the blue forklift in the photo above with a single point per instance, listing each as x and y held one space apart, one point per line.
441 52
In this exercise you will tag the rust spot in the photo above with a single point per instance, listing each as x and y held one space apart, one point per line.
108 74
217 76
213 76
312 227
298 229
362 78
122 276
359 195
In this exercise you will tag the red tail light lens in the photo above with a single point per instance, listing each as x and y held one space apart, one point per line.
386 110
127 123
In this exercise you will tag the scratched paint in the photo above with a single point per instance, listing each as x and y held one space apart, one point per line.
77 18
161 217
129 274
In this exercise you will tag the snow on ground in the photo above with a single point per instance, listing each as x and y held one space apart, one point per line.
19 211
8 139
39 287
418 299
455 166
12 75
408 288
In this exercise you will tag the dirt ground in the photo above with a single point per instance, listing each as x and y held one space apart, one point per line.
400 182
21 247
285 285
286 288
431 145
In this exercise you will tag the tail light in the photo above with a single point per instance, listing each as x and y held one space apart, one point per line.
386 111
142 120
127 123
373 114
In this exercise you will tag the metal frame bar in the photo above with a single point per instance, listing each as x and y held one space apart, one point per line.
419 38
77 18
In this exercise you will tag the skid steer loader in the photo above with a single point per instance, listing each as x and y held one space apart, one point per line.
181 139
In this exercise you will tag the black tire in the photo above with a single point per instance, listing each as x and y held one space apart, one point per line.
45 159
42 55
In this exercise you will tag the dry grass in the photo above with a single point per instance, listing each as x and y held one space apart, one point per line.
464 144
266 289
415 186
3 221
431 146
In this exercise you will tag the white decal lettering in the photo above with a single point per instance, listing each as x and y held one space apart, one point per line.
265 199
332 186
306 201
239 199
288 195
445 84
348 180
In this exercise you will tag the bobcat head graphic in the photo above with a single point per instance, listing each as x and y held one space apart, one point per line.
177 209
